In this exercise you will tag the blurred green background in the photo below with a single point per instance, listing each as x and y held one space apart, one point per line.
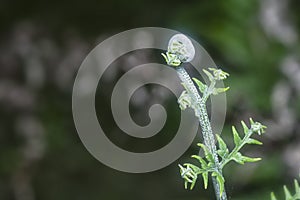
42 44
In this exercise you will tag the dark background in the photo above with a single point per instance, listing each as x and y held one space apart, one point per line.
42 44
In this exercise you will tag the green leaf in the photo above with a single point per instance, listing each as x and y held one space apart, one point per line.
223 150
175 63
223 154
245 127
193 167
201 160
236 137
297 188
219 74
207 154
171 59
202 87
209 75
184 100
273 197
211 159
287 193
220 180
185 185
253 141
165 57
205 179
251 121
184 85
222 144
248 159
238 158
206 151
219 90
192 184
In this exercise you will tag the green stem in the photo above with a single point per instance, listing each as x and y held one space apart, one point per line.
236 149
209 91
201 112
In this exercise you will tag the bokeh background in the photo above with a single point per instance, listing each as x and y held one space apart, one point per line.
42 44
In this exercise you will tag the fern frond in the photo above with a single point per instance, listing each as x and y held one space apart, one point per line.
287 193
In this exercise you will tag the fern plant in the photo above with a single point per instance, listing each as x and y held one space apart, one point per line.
181 50
207 164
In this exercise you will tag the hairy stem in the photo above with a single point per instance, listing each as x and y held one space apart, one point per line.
201 112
